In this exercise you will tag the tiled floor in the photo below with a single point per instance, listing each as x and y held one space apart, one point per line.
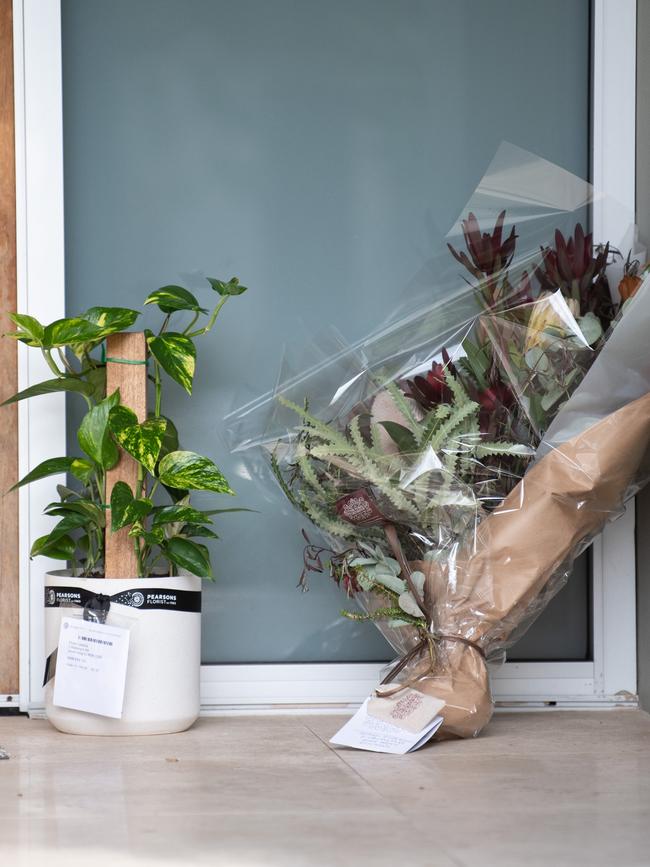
535 789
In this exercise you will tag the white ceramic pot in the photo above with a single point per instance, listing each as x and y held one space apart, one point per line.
162 678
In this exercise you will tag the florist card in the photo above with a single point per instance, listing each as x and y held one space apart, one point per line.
366 732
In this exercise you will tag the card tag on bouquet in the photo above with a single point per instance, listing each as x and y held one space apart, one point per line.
367 732
91 667
408 709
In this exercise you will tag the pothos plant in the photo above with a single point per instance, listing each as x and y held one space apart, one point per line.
164 534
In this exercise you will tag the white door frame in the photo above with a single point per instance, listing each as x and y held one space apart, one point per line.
609 679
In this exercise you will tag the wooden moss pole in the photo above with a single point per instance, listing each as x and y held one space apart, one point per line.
131 380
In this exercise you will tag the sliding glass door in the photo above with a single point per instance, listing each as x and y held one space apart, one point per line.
319 151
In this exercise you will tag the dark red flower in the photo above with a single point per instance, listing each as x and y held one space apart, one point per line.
429 390
488 252
348 580
578 271
494 401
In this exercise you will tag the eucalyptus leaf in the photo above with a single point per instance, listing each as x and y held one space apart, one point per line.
187 470
176 354
536 359
591 328
551 398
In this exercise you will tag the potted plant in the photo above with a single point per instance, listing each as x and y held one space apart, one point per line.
125 525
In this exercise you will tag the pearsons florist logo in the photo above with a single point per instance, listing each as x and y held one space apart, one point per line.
162 600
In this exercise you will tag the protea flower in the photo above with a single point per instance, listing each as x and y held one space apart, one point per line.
488 252
495 401
429 390
579 272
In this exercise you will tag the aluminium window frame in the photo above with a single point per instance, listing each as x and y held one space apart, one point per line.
608 680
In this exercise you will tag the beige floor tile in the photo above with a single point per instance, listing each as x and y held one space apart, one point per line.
546 788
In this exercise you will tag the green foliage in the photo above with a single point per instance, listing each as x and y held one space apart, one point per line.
176 354
188 470
143 441
171 299
94 435
72 349
52 386
232 287
125 508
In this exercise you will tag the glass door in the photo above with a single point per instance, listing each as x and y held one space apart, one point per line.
319 151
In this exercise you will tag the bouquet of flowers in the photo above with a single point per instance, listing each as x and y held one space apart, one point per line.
460 458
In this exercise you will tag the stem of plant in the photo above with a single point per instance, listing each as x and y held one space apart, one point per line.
211 320
158 387
47 355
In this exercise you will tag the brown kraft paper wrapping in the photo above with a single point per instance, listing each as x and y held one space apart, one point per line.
564 500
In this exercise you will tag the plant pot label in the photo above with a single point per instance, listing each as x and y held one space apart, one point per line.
91 667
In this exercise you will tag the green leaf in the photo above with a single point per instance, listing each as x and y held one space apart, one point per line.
82 507
550 398
50 386
96 377
170 438
155 536
142 441
232 287
172 298
189 555
67 332
591 328
478 358
72 521
176 494
536 359
82 469
176 354
198 530
188 470
61 549
111 319
125 509
401 436
50 467
223 511
94 436
31 330
179 514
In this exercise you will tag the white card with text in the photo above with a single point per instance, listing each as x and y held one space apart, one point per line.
91 667
366 732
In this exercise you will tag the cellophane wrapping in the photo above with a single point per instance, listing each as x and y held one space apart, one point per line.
457 460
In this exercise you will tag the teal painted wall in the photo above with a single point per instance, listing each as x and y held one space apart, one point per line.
319 151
